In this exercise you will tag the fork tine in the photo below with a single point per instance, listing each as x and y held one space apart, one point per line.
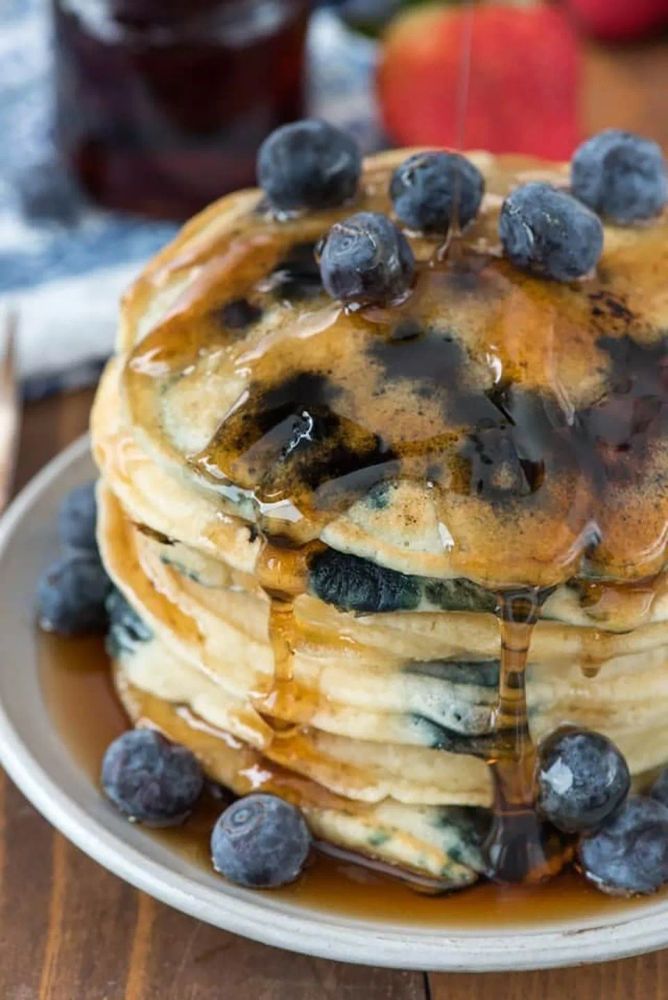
9 406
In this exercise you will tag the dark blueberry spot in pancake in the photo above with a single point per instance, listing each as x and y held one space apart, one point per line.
379 497
355 584
307 429
510 455
253 533
378 838
471 827
473 824
297 275
611 306
500 395
439 737
407 329
438 368
617 432
239 314
496 469
287 437
427 358
477 674
126 628
466 719
459 595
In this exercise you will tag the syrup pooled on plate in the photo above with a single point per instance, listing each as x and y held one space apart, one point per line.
78 690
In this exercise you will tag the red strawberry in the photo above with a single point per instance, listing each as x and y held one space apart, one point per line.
523 90
619 20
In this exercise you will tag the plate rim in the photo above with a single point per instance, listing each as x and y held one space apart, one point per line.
301 929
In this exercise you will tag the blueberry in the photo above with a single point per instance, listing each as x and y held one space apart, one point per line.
150 779
77 519
126 629
549 232
71 595
308 164
582 778
355 584
365 259
238 314
428 189
260 842
620 175
659 789
629 855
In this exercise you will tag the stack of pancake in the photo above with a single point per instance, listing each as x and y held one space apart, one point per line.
313 511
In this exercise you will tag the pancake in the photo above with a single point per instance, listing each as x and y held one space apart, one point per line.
195 519
370 692
372 556
403 476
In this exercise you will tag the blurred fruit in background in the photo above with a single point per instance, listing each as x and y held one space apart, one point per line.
522 81
619 20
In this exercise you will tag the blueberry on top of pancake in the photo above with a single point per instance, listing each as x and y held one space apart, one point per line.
517 423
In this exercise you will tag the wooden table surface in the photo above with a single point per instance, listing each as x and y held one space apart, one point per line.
69 930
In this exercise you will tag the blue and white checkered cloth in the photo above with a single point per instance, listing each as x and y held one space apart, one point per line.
63 263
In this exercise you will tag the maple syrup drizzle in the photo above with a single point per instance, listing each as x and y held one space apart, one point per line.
518 847
282 573
453 246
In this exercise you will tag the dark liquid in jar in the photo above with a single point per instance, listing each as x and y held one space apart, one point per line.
161 107
77 687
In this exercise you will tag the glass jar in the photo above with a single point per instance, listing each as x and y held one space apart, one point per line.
162 104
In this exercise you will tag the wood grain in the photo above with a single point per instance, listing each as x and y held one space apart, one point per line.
642 978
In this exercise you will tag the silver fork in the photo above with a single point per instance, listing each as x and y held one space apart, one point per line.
9 407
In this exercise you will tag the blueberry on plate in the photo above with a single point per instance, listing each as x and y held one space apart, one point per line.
260 842
77 518
151 780
71 595
582 778
308 164
620 175
549 232
366 259
432 190
629 854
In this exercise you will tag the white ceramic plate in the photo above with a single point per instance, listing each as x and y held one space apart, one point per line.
42 766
